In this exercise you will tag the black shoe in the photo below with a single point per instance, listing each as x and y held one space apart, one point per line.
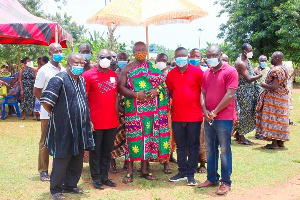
191 181
73 190
58 196
109 183
178 177
98 185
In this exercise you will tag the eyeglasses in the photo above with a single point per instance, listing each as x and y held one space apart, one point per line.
102 57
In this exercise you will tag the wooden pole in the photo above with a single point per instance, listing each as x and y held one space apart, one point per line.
147 41
56 33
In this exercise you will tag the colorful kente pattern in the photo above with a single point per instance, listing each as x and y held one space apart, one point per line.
146 123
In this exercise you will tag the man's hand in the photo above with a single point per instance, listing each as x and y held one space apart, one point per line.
152 93
141 95
207 115
22 92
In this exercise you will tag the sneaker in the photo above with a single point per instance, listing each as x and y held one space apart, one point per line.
191 181
178 177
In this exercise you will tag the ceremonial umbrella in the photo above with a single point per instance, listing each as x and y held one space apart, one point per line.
147 12
18 26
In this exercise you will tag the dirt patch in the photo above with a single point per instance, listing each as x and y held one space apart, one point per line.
287 191
296 90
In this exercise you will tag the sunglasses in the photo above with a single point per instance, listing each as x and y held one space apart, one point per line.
102 57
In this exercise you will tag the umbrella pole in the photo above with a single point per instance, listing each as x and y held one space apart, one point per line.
56 34
147 41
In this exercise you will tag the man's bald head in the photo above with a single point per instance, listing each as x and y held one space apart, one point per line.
122 56
73 55
85 48
278 54
277 58
215 49
263 58
104 53
55 48
224 58
139 46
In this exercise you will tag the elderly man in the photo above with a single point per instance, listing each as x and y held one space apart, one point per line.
272 118
146 117
101 87
113 64
86 51
224 58
220 83
69 131
44 74
262 68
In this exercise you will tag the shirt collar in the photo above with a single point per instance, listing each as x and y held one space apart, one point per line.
223 67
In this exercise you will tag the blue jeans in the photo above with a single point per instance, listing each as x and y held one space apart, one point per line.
187 138
218 134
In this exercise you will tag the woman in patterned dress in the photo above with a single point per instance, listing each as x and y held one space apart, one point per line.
272 119
26 81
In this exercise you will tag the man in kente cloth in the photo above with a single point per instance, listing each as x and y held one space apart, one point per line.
146 114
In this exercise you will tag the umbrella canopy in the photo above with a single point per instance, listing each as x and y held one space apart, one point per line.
147 12
18 26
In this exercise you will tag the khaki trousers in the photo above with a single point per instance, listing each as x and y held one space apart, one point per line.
202 151
43 162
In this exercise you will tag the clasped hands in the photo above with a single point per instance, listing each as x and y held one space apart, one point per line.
145 96
209 115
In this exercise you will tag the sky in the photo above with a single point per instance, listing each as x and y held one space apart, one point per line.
171 35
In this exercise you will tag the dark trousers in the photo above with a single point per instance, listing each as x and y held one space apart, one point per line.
66 172
100 157
187 139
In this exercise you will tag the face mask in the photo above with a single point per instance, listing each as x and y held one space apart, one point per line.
161 65
213 62
194 62
87 56
76 70
140 55
104 63
249 55
122 64
263 64
181 61
29 64
58 57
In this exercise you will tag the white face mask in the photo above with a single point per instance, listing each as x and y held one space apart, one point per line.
249 55
104 63
161 65
29 64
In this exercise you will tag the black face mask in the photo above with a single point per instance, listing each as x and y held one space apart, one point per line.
272 61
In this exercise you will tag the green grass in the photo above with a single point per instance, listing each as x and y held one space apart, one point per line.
252 167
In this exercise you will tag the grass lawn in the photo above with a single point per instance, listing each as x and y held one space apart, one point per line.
253 167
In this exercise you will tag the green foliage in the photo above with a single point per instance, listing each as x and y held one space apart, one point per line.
289 33
267 25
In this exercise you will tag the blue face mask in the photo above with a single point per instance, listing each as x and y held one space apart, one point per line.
87 56
263 64
181 61
194 62
58 57
122 64
213 62
76 70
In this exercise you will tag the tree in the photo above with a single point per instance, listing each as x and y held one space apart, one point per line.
253 22
268 25
289 32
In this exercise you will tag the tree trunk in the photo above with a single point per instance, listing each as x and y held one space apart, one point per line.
111 30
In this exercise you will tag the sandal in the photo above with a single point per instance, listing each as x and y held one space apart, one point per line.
128 178
280 143
203 170
167 171
268 146
45 177
149 177
246 142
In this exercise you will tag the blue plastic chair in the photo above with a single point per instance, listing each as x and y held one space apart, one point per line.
15 104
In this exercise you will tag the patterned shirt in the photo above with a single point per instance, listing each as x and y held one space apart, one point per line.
69 127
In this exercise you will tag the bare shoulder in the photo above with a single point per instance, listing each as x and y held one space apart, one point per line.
128 67
240 64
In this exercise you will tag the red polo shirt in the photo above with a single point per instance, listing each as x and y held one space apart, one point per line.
215 85
186 89
101 88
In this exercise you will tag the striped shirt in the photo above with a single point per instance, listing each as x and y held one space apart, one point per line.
69 127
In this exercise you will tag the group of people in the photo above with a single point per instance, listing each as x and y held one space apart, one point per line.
145 111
